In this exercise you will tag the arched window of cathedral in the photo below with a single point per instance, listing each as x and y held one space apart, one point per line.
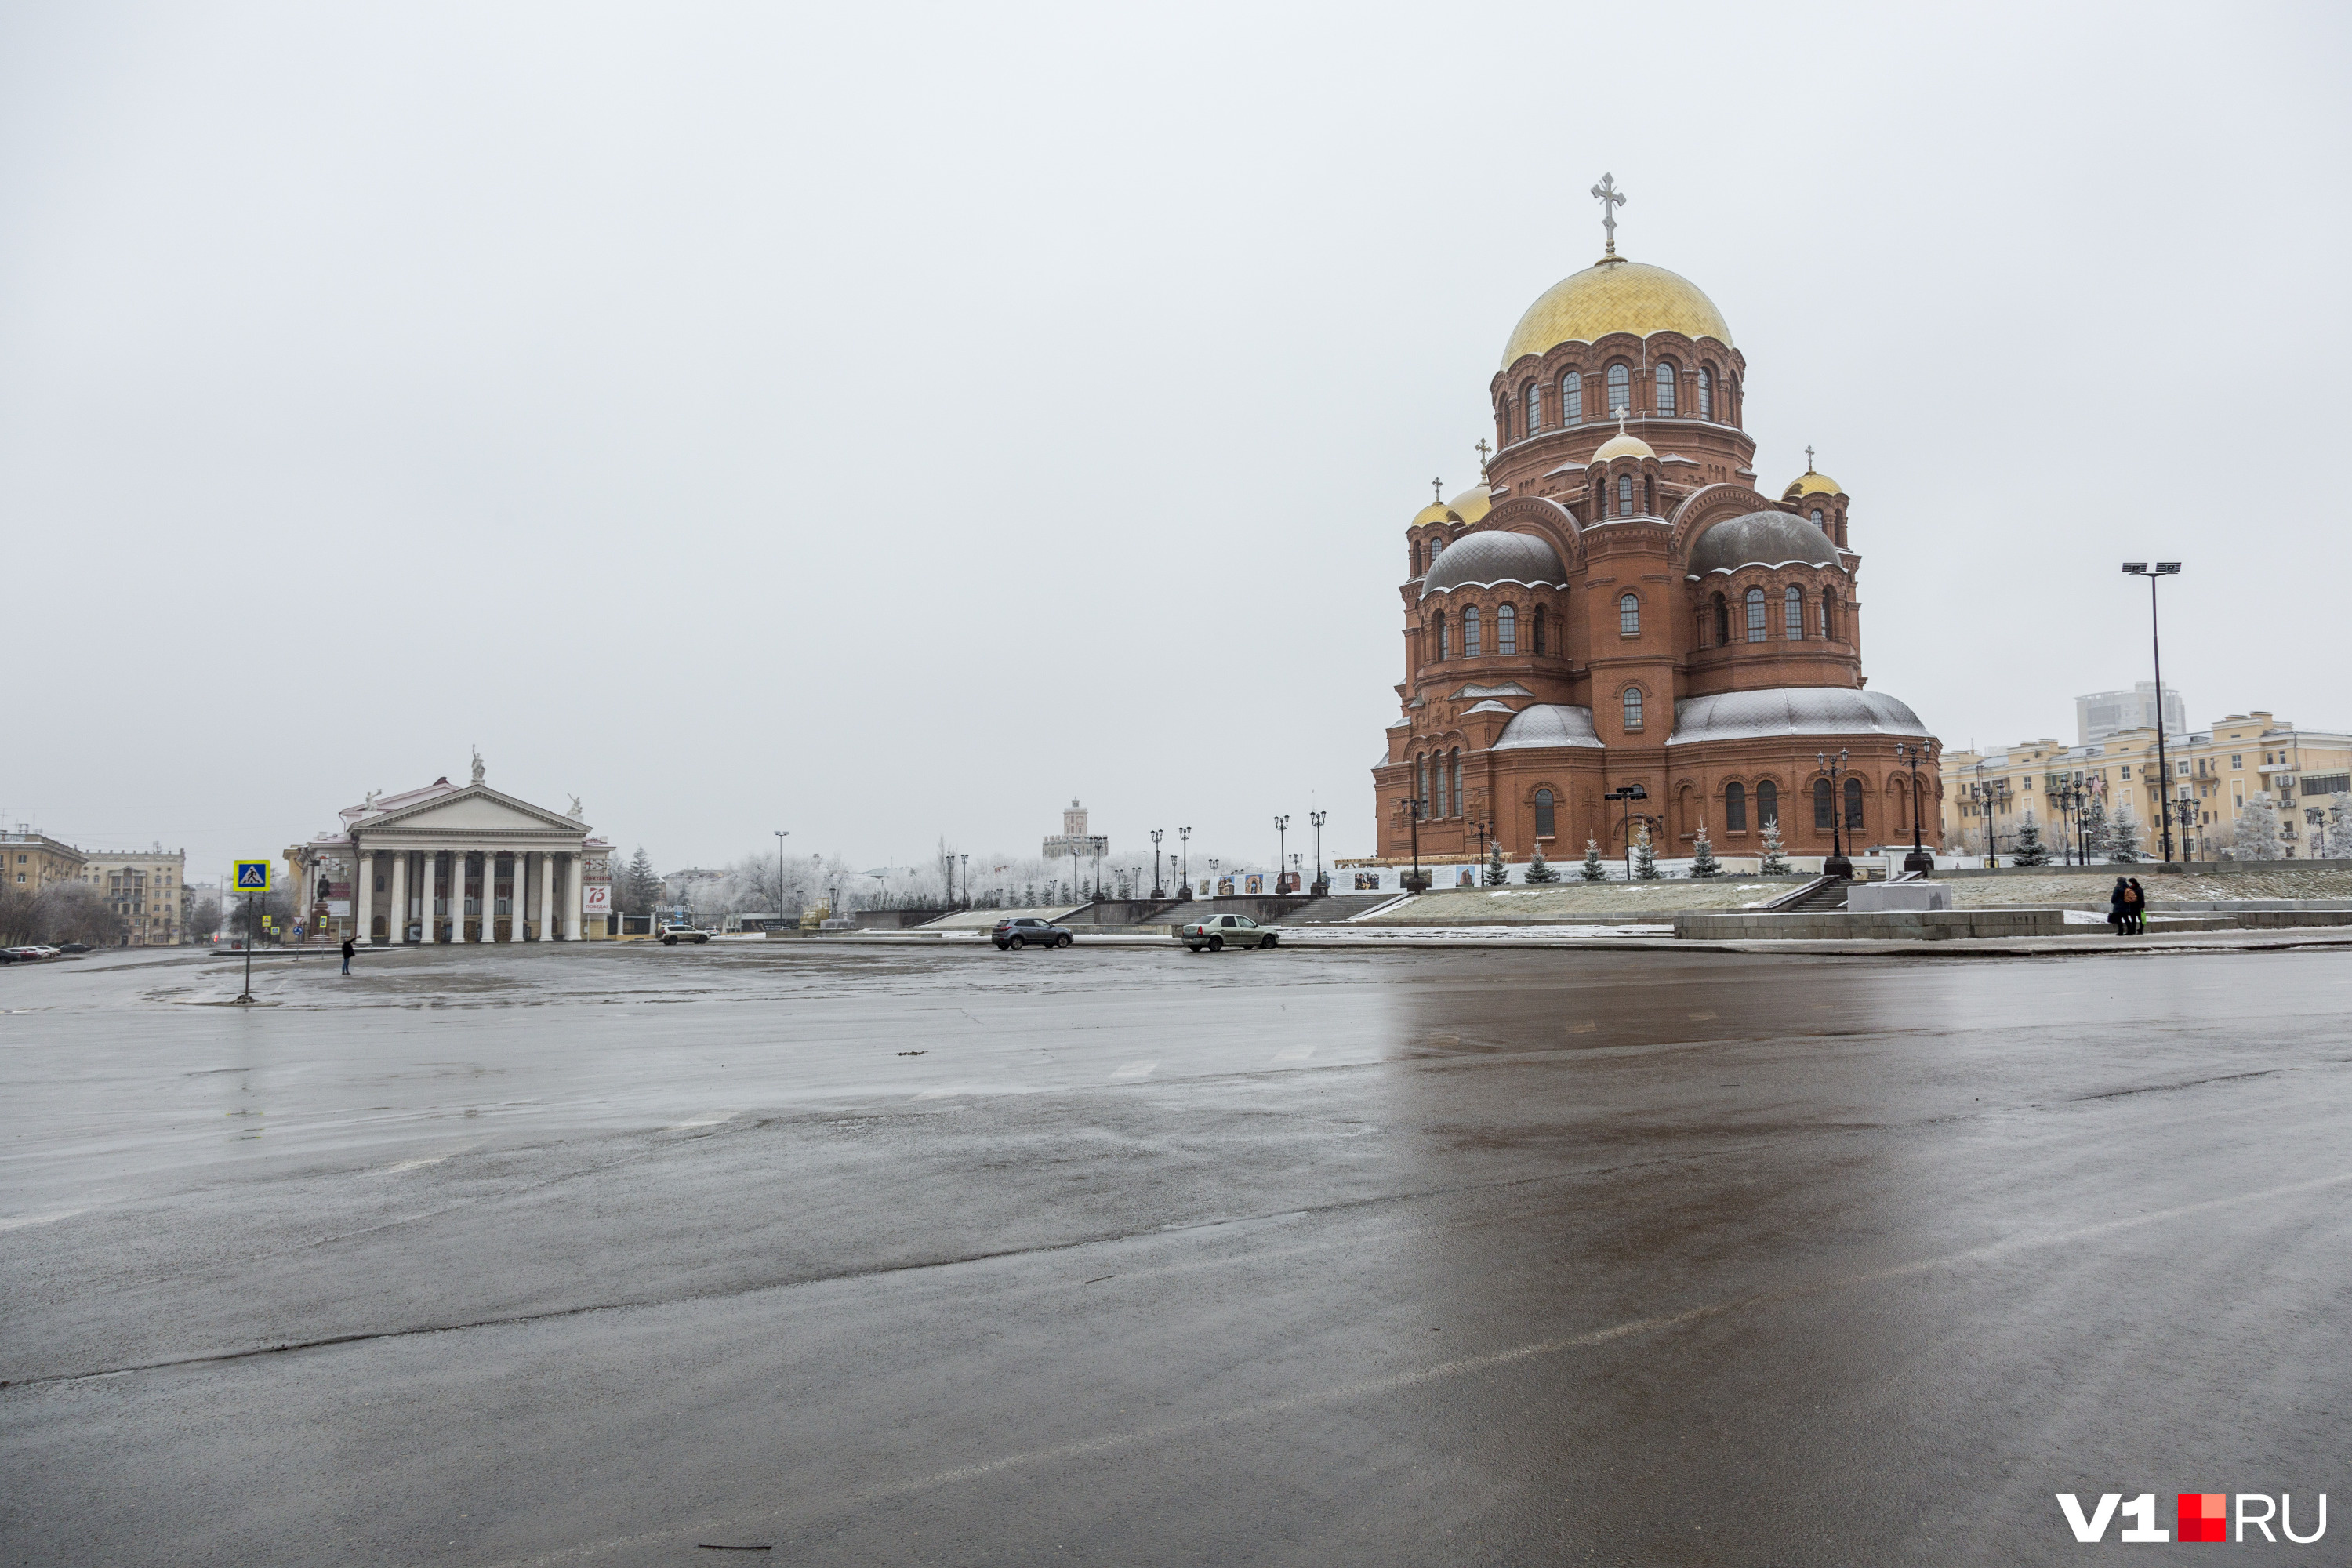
1854 803
1457 781
1792 615
1665 388
1436 543
1620 384
1731 399
1599 497
1539 631
1818 522
1629 616
1544 819
1470 632
1414 547
1768 803
1624 495
1633 708
1535 406
1829 615
1649 495
1755 614
1706 392
1572 399
1507 630
1722 622
1735 808
1444 806
1824 812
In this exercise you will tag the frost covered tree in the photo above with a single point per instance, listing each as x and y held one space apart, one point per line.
2258 834
1776 854
2030 850
2122 843
2094 827
1540 870
1497 874
2339 827
1645 857
1702 861
1593 869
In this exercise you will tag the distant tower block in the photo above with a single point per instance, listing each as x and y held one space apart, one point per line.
1074 821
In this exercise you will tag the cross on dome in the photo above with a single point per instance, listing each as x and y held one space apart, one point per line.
1437 489
1484 451
1809 459
1611 198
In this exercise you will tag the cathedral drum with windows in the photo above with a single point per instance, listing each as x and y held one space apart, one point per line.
1617 604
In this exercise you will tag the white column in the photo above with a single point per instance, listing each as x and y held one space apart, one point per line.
363 901
427 880
574 888
398 930
456 894
492 864
547 897
522 895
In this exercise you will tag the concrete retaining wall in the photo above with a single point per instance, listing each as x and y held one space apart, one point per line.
1843 925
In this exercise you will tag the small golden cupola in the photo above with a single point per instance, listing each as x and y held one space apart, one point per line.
1819 500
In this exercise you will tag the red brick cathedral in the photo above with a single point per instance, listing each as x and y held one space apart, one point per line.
1619 603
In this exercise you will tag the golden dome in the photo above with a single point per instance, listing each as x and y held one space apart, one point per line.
1474 503
1623 445
1614 295
1436 511
1810 483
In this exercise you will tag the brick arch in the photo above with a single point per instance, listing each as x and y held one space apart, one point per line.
1545 518
1709 505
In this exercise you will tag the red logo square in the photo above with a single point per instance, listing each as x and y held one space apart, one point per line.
2203 1516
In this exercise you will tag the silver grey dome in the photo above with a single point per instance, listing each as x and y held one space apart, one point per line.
1484 559
1549 724
1762 539
1792 710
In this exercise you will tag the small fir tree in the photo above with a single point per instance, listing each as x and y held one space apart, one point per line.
1776 854
1702 861
1540 870
1497 874
1645 857
1593 870
2031 849
2122 843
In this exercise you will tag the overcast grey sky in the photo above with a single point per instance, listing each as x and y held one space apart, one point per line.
890 422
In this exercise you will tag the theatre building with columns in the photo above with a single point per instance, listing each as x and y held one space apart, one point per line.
457 863
1620 606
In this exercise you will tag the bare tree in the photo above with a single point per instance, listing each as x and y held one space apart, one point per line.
76 911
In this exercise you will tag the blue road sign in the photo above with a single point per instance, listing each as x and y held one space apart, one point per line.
253 876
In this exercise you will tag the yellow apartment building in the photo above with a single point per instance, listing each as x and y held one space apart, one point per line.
148 888
34 860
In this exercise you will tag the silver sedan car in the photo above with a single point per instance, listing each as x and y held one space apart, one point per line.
1219 932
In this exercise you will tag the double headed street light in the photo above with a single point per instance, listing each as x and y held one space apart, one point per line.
1837 865
1918 859
1156 893
1322 885
1625 796
2156 644
1184 838
1281 827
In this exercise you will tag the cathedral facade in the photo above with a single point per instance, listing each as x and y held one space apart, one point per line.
1618 604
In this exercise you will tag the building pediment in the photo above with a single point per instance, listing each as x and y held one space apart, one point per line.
476 809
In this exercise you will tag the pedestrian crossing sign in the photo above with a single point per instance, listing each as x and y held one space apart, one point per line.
253 876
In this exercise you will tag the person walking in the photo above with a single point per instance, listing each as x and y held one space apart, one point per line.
2119 908
349 949
2138 907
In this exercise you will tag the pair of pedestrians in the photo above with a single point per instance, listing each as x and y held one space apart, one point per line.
2127 907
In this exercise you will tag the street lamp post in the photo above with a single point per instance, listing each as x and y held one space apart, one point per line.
964 857
1418 808
1918 859
1281 827
2186 808
1626 794
781 834
1987 801
1321 886
1213 875
1184 838
1837 865
2162 570
1156 893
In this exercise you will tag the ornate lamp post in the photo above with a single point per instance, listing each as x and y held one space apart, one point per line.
1417 808
1987 799
1213 875
2154 575
1157 891
1281 827
781 834
1837 865
2187 808
1184 837
1625 796
965 859
1918 859
1322 885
